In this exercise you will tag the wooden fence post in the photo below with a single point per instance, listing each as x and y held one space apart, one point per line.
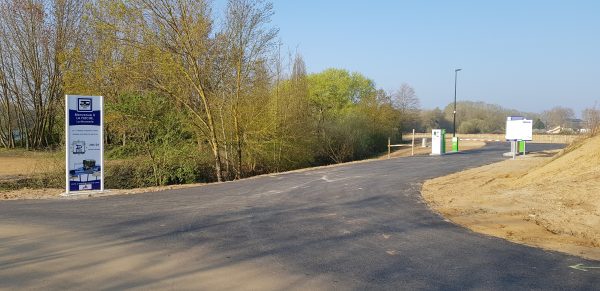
413 143
389 146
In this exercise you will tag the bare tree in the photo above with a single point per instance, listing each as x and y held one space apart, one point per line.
177 37
405 98
249 40
591 117
36 37
7 112
557 116
406 102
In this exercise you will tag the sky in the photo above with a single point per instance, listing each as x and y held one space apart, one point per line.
524 55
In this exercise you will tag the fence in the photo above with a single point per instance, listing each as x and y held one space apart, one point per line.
537 138
412 145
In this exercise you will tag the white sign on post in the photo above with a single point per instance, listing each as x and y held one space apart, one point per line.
84 134
436 142
519 128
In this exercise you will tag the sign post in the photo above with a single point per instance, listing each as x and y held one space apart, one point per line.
84 142
518 130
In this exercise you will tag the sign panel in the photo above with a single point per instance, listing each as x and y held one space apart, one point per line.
519 128
84 143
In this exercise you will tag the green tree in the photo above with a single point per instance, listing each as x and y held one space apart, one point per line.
481 117
352 117
434 119
154 131
248 41
538 124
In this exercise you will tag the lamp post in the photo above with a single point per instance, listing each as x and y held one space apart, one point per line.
454 113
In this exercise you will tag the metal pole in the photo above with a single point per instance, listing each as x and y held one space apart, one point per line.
454 113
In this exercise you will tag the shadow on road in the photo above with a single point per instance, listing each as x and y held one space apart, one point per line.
360 226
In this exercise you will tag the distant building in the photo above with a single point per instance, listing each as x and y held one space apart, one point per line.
555 130
572 125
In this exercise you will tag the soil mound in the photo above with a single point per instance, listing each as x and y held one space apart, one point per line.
544 199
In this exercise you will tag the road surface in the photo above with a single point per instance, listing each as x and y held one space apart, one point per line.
358 226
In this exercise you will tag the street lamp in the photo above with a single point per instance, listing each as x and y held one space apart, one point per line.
454 113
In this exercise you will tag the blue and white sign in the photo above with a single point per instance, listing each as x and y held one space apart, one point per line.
84 143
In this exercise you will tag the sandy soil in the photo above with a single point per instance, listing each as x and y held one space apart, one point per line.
46 258
540 200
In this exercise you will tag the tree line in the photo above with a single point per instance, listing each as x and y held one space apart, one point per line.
186 92
190 96
480 117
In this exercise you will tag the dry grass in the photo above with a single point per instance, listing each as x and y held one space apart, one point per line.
27 163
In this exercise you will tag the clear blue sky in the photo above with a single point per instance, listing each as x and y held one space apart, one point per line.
526 55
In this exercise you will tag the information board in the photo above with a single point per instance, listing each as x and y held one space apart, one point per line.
519 128
84 143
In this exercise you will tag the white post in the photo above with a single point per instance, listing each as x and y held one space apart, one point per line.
102 143
514 148
68 180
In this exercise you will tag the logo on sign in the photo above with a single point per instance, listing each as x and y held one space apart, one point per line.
78 147
84 104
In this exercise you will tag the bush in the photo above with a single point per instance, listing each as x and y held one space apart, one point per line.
47 180
137 173
473 126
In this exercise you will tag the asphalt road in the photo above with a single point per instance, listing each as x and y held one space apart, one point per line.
359 226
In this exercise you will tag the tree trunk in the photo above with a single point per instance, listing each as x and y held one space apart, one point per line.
238 140
225 144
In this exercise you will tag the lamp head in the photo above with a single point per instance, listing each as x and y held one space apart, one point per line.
457 70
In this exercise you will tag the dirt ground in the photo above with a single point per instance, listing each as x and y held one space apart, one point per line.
24 163
541 200
49 193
